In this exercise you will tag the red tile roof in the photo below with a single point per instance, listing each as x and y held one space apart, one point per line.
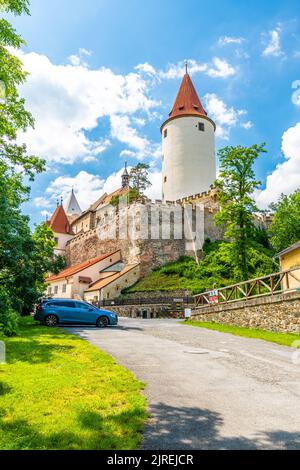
187 100
78 267
59 221
98 285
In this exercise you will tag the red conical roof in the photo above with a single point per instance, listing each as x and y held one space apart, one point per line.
187 100
59 221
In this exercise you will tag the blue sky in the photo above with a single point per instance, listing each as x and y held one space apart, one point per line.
104 74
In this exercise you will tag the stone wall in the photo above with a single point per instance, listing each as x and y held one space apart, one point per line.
279 313
154 235
149 253
175 294
146 311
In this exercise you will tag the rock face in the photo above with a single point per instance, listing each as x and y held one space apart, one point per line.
278 313
149 253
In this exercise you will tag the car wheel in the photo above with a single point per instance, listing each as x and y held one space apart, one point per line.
102 322
51 320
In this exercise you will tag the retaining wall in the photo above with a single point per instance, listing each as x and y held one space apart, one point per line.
279 313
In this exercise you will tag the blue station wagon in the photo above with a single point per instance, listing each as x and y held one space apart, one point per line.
67 311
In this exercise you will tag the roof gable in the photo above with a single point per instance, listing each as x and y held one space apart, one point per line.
79 267
59 221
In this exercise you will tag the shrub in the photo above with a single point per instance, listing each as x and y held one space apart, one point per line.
8 318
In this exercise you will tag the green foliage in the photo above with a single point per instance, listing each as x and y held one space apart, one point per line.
285 227
139 177
131 197
218 268
14 117
8 318
236 185
24 258
17 7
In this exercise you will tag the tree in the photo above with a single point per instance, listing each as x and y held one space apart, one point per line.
13 115
139 177
285 227
236 184
131 197
21 267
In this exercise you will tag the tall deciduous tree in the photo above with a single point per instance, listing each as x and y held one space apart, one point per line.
285 227
139 179
13 115
22 262
236 185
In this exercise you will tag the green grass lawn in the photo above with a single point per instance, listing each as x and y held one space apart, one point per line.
59 392
285 339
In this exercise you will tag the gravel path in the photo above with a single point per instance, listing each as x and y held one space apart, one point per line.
205 389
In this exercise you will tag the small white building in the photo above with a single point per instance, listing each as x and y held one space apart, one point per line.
188 141
73 281
111 284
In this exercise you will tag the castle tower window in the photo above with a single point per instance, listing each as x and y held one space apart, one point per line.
201 126
165 133
165 179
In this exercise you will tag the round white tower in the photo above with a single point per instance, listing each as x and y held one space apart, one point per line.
188 138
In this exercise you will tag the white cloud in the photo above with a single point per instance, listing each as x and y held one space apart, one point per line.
88 187
146 68
46 214
224 116
273 47
247 125
42 202
221 69
218 68
69 100
155 191
225 40
127 153
286 176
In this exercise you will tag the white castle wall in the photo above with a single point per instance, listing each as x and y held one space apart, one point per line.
189 165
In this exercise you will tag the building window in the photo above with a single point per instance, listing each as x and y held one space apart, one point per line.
107 295
64 288
56 240
55 289
49 290
165 133
201 126
165 179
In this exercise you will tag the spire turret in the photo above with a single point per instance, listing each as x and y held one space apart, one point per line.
125 177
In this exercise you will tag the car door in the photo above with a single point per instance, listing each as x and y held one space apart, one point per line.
66 311
87 313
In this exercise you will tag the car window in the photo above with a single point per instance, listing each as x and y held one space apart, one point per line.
83 306
64 304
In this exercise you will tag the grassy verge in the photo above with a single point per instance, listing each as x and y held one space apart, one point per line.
59 392
285 339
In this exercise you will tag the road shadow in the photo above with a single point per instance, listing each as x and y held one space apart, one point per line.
194 428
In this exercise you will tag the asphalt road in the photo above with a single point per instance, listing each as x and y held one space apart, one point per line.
205 389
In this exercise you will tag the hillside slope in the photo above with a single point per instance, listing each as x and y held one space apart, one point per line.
216 269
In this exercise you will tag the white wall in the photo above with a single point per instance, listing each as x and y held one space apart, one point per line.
189 164
74 287
62 239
